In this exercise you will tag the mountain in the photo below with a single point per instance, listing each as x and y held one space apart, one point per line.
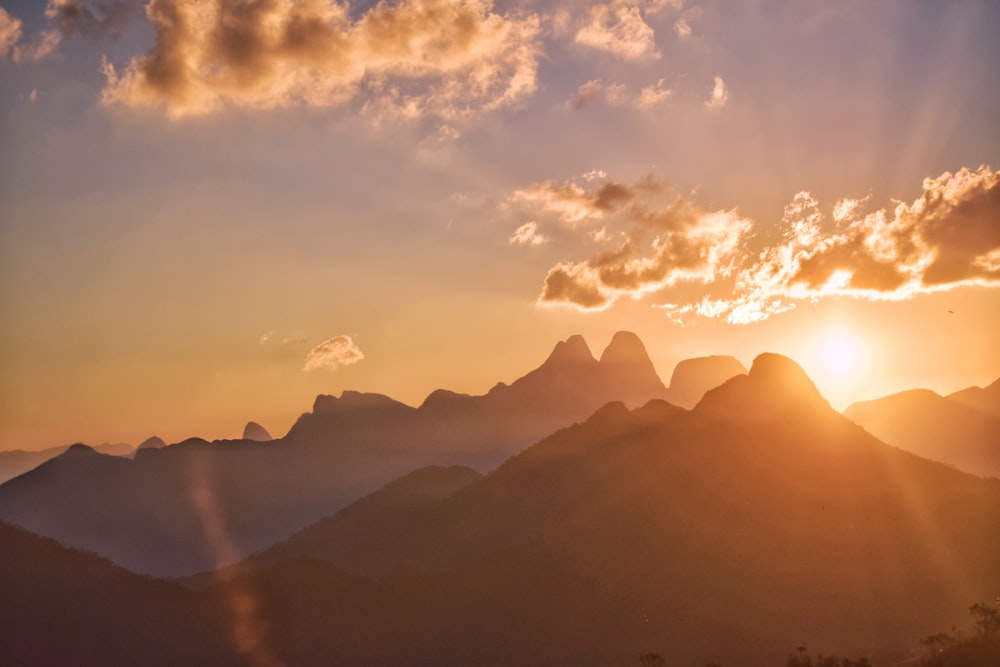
728 534
693 377
256 432
65 607
196 505
154 442
16 462
983 399
959 429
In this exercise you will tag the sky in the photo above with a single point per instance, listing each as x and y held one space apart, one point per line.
212 211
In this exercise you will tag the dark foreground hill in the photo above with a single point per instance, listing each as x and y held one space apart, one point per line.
760 521
962 429
65 607
196 505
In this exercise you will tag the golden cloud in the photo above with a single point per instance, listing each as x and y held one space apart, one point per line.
664 245
448 58
948 237
333 353
619 29
10 32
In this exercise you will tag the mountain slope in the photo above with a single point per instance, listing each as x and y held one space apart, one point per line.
936 427
196 505
16 462
65 607
760 520
985 399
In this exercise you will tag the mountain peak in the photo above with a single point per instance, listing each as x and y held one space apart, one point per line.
256 432
573 349
625 347
350 401
775 388
154 442
777 372
78 450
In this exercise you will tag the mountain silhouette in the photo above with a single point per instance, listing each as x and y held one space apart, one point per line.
162 512
16 462
713 535
984 399
959 429
256 432
693 377
65 607
154 442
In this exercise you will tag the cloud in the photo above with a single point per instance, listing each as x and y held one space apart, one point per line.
333 353
101 18
651 96
44 45
720 95
665 244
13 46
690 246
619 29
413 58
573 203
10 32
527 235
948 237
588 92
617 94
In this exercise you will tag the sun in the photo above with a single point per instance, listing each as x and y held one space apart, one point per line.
839 354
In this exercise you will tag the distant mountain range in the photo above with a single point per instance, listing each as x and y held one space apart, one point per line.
961 429
14 462
758 521
162 512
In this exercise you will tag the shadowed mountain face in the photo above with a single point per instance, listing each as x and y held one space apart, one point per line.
65 607
196 505
962 429
729 534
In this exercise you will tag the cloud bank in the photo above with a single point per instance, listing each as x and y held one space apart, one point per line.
447 58
948 237
333 353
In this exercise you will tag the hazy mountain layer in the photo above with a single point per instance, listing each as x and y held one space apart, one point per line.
195 505
962 429
14 462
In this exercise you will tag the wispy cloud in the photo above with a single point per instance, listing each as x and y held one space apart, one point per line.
333 353
572 202
618 94
447 58
10 32
618 28
527 235
719 96
20 50
104 17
